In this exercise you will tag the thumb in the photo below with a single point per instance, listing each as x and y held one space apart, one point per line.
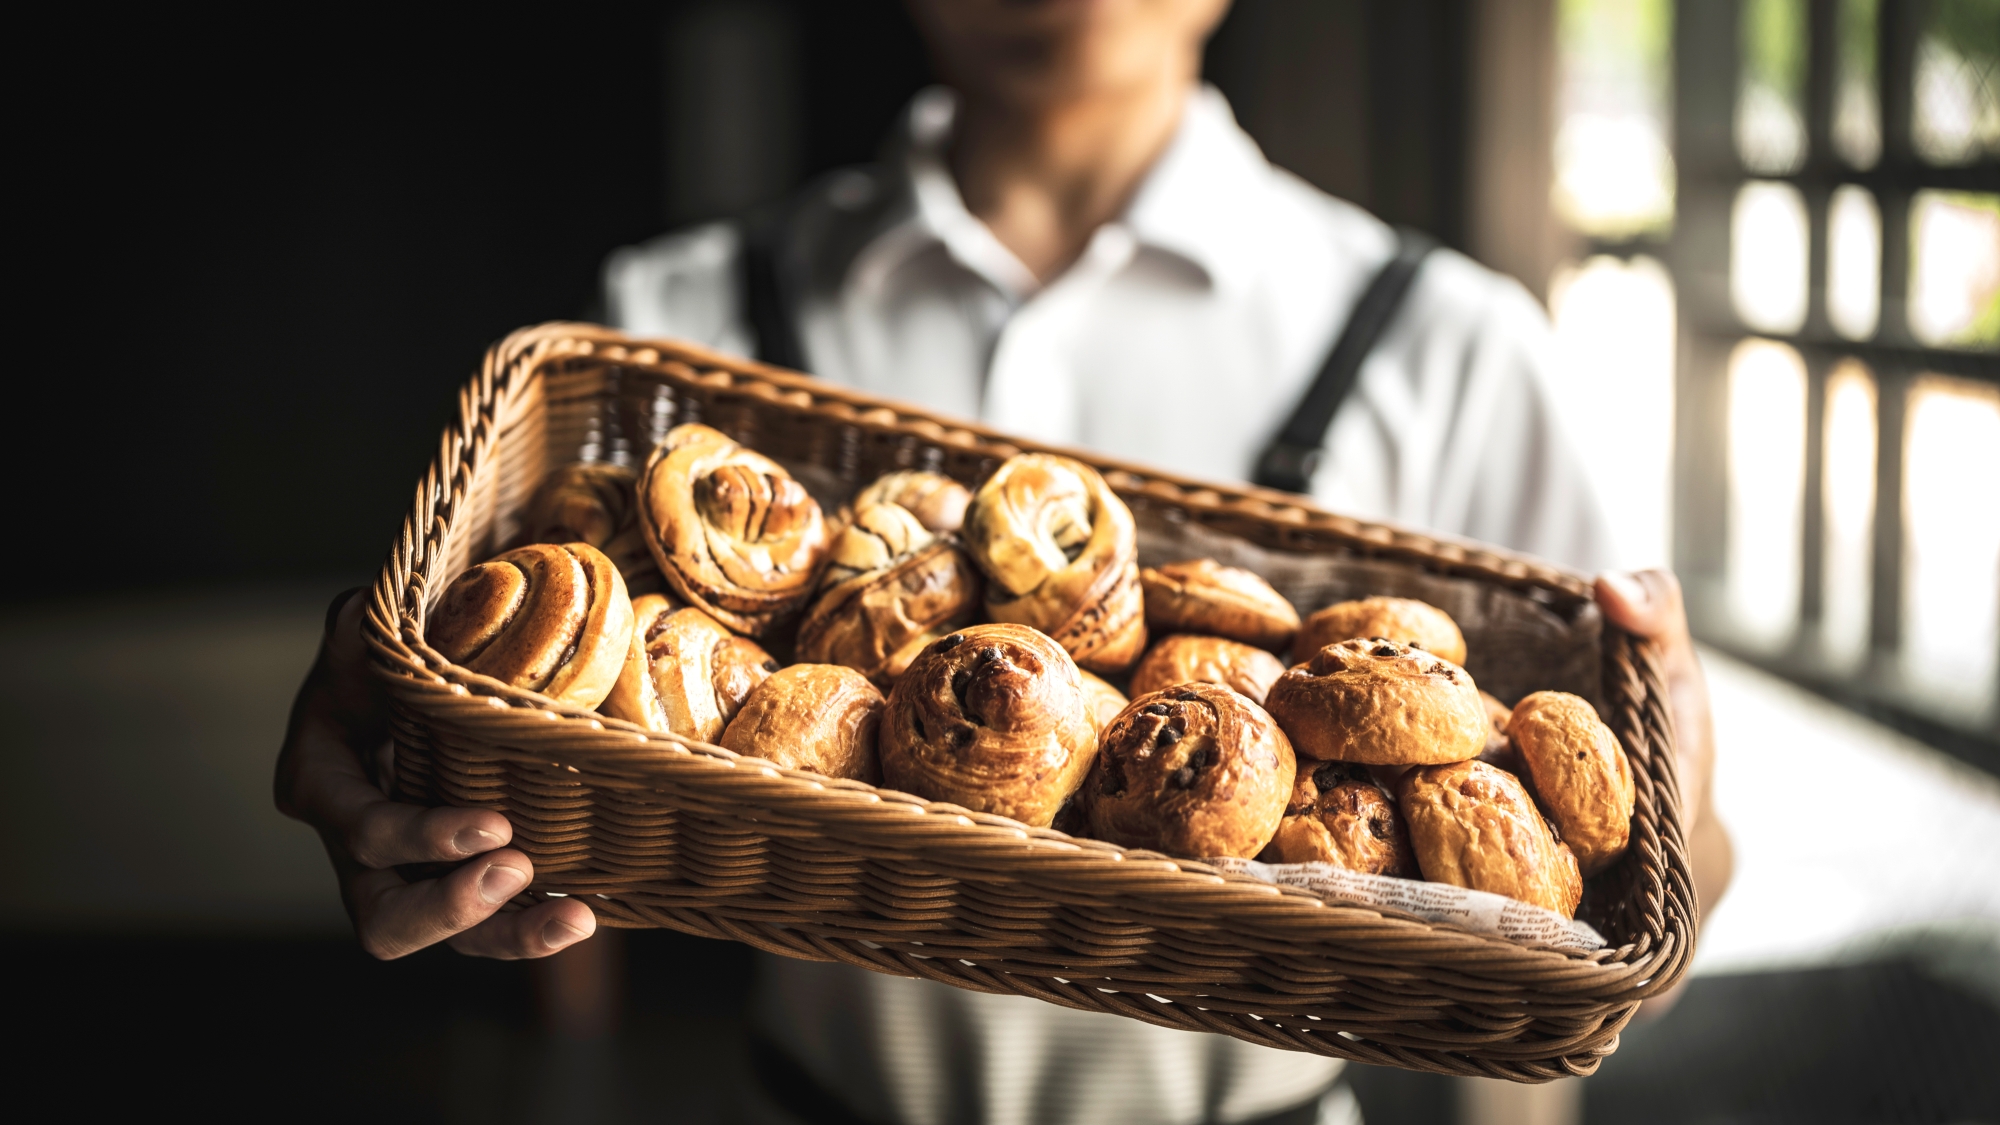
1646 603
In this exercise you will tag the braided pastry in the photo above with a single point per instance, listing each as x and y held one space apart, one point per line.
1196 770
733 533
936 500
1060 554
1203 596
891 587
548 618
684 673
1185 658
1380 703
818 717
594 502
1338 814
992 718
1404 620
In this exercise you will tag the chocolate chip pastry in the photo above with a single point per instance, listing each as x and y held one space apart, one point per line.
1203 596
1579 773
1473 825
936 500
597 503
818 717
1380 703
1404 620
1101 699
1185 658
684 673
993 718
1196 770
734 534
549 618
892 586
1060 554
1338 814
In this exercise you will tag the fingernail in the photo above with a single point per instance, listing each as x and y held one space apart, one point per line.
1628 587
558 934
472 841
501 883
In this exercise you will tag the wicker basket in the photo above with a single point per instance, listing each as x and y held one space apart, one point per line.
663 831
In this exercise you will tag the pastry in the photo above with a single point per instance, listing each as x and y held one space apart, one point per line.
891 587
818 717
733 533
1196 770
1203 596
594 502
1380 703
684 673
1404 620
993 718
1338 814
936 500
1499 751
1579 773
1473 825
1101 699
1060 554
1185 658
551 618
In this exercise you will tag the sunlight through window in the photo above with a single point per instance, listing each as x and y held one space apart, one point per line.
1853 262
1951 577
1767 409
1767 257
1848 549
1955 268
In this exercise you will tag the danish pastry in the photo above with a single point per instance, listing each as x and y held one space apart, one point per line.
594 502
1579 773
1404 620
733 533
546 617
1196 770
891 587
936 500
1203 596
1101 699
1380 703
1185 658
1060 554
993 718
819 717
1473 825
684 673
1338 814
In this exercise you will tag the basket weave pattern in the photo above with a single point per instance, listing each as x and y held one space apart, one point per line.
670 832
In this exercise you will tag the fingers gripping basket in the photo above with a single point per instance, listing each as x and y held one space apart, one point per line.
661 831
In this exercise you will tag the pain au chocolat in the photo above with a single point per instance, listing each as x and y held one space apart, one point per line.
1473 825
992 717
684 673
1380 703
1403 620
1196 770
594 502
818 717
1203 596
1338 814
733 533
1579 773
1060 554
1185 658
552 618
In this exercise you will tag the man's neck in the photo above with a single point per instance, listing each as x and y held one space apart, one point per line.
1043 180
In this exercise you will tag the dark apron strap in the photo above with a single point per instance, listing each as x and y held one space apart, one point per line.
1288 462
767 300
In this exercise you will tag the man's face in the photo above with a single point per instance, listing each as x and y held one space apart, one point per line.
1041 51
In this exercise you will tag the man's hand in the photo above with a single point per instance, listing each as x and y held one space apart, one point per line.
340 720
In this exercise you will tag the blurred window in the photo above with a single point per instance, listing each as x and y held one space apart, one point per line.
1767 256
1849 502
1770 98
1853 262
1955 268
1614 171
1952 544
1958 82
1857 110
1767 411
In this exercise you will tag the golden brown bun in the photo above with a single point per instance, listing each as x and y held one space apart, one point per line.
1473 825
891 587
1101 699
1196 770
1380 703
818 717
1338 814
1186 659
733 533
594 502
936 500
548 618
1404 620
1499 751
1203 596
1060 554
993 718
1579 772
684 673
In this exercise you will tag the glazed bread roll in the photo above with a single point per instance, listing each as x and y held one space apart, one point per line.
1473 825
733 533
1185 658
1404 620
818 717
684 673
1338 814
1579 773
549 618
1196 770
594 502
936 500
1499 751
1203 596
993 718
1060 555
1101 699
891 587
1380 703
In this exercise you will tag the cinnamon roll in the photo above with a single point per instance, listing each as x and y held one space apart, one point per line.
993 718
818 717
594 502
1380 703
549 618
1473 825
1185 658
684 673
1579 773
891 587
1338 814
1060 554
936 500
733 533
1203 596
1403 620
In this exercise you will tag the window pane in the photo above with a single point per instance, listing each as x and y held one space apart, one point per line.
1770 105
1955 269
1767 444
1848 550
1853 262
1857 107
1614 172
1951 591
1767 256
1958 83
